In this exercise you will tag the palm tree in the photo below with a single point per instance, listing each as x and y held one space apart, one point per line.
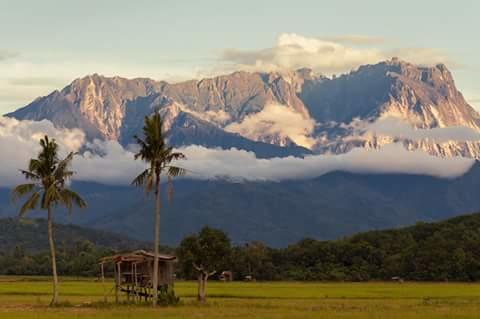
158 155
48 176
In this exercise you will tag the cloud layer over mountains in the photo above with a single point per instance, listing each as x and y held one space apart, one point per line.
327 56
397 128
276 120
110 163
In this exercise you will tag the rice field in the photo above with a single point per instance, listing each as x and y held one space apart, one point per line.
28 297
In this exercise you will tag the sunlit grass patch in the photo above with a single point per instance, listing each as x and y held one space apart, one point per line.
28 298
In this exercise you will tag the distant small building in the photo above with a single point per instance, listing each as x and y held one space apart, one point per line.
397 279
226 275
133 272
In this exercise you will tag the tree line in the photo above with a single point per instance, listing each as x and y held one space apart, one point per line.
444 251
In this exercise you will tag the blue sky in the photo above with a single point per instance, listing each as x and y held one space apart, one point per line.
46 44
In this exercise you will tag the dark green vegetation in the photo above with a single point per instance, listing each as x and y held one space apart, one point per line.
24 248
328 207
203 254
31 236
448 250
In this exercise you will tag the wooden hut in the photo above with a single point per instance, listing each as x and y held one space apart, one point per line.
133 273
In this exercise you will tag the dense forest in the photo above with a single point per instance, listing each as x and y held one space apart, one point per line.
448 250
31 236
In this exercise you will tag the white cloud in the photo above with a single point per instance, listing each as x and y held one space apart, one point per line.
292 51
355 39
332 55
276 120
397 128
219 117
394 158
115 165
19 142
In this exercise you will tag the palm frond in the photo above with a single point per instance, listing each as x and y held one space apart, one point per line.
61 171
142 178
69 198
34 165
176 156
21 190
175 171
143 148
50 196
30 204
67 174
30 175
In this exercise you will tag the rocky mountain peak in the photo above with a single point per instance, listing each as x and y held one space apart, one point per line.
291 106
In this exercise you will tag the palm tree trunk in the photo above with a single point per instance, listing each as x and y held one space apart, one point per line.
53 258
156 241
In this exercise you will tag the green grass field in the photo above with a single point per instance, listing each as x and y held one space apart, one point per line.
22 298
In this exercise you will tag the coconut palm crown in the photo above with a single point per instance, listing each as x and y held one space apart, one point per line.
157 154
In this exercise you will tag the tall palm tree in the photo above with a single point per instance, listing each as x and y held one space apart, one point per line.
48 176
158 155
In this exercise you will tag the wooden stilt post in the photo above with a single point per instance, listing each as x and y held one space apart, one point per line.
103 284
135 282
130 285
117 281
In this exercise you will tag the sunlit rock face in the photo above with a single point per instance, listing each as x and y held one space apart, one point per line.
297 110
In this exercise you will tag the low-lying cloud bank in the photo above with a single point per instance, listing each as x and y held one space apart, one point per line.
115 165
396 127
394 158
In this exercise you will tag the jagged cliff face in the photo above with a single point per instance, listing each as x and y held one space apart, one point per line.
423 97
427 97
101 101
289 110
104 106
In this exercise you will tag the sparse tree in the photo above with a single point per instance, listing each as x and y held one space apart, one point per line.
208 252
47 190
159 156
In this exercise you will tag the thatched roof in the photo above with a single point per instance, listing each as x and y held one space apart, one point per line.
137 256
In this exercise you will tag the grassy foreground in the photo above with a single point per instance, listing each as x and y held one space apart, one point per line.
28 298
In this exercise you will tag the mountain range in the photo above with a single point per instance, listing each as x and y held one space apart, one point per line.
276 114
278 213
272 114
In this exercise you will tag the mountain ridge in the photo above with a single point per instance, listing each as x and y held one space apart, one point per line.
331 206
291 109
